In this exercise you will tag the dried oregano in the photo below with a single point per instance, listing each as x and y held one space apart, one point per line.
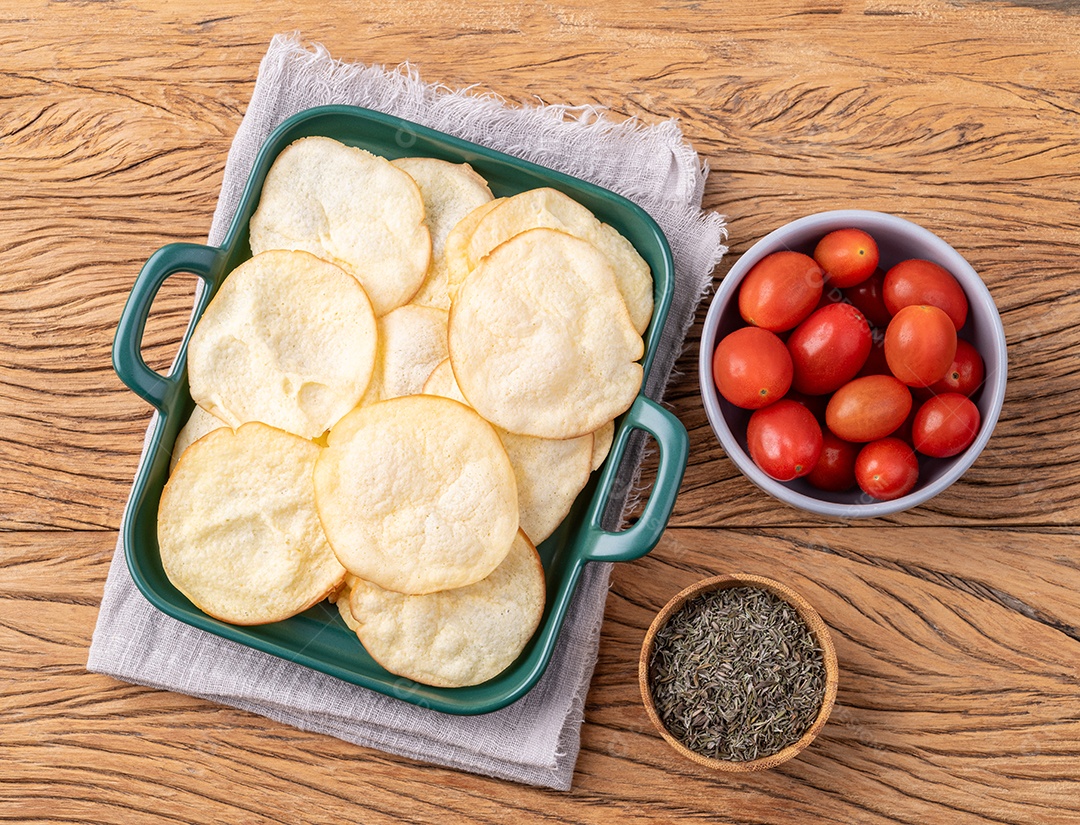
736 674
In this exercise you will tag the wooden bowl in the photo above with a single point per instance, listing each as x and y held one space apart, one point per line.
809 616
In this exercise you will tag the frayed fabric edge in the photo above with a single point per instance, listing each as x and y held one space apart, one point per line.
440 106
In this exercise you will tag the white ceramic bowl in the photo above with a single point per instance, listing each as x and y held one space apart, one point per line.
897 240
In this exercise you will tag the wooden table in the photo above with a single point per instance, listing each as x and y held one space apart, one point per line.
957 624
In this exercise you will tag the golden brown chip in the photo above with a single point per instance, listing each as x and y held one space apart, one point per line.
552 209
602 439
288 340
238 531
540 339
416 494
350 207
412 342
549 472
456 252
199 423
450 192
342 601
458 637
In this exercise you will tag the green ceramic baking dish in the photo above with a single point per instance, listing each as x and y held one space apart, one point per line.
318 638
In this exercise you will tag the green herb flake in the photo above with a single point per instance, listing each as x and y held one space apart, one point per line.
736 674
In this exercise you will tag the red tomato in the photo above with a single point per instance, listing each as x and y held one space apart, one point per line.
903 432
831 295
886 469
848 256
780 290
815 403
945 425
868 408
916 282
920 345
868 297
875 362
835 468
784 440
752 368
965 374
828 348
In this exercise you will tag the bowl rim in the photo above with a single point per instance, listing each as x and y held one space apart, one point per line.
977 294
814 623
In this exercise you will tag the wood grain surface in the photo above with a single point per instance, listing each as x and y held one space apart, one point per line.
957 624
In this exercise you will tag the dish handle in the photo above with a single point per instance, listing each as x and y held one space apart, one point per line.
200 260
638 539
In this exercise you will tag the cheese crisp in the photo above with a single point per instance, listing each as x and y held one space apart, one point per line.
541 342
199 423
450 192
288 340
456 252
238 529
550 208
350 207
602 439
458 637
416 494
341 600
549 472
412 342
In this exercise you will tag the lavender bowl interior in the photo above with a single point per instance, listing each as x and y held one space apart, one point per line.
897 239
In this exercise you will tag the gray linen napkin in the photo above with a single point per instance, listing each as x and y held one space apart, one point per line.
536 739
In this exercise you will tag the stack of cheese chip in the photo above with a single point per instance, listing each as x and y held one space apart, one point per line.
399 396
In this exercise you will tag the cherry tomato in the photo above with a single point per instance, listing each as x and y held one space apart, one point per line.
920 344
914 282
945 425
965 374
903 432
868 408
875 363
752 368
784 440
848 256
868 297
780 290
835 468
828 348
886 469
815 403
831 295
